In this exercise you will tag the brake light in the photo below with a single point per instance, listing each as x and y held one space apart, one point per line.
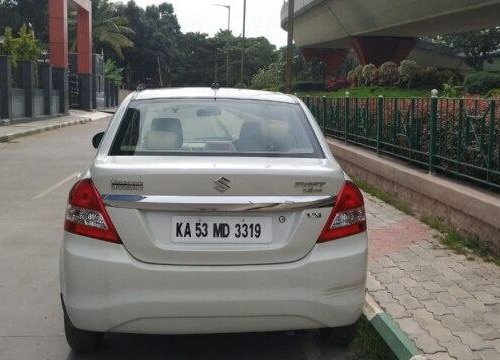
348 215
86 214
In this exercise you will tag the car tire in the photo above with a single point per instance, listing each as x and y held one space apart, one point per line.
339 336
81 341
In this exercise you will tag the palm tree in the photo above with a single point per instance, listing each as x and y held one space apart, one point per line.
110 29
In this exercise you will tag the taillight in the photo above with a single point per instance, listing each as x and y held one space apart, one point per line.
348 214
86 214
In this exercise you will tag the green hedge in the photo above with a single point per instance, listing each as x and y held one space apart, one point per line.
482 82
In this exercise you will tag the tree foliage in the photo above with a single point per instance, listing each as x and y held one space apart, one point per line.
110 30
149 45
476 46
269 77
34 13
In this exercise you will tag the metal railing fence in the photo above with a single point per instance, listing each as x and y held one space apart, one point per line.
456 137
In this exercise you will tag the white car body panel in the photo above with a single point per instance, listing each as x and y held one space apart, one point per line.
153 284
105 289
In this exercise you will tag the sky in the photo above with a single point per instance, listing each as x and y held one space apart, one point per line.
263 17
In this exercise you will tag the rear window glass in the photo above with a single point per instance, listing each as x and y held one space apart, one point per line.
226 127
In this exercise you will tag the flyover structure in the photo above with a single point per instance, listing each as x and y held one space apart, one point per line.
380 30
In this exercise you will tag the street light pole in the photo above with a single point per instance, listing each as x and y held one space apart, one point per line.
289 49
243 44
228 7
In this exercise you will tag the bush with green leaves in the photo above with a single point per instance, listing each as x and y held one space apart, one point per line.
24 47
27 48
408 71
481 82
427 78
450 77
452 91
113 72
494 93
269 77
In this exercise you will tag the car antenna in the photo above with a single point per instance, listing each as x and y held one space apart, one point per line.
215 86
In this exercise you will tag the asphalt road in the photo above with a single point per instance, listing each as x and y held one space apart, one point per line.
36 174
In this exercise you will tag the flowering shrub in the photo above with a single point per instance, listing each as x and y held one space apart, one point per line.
337 84
370 74
355 76
389 74
351 77
408 71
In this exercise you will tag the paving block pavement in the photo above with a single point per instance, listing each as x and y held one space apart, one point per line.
448 305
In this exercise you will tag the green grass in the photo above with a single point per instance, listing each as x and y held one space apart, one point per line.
460 243
374 91
368 345
385 197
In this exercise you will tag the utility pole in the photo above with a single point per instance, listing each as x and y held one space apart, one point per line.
243 44
228 7
289 49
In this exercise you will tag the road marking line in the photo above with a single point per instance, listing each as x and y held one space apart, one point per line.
52 188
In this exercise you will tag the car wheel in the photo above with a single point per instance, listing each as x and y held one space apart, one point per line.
339 336
81 341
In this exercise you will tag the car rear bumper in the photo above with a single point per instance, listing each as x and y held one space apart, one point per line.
105 289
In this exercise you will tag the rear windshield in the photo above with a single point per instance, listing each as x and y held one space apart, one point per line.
226 127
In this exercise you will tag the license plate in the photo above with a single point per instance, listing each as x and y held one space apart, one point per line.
227 230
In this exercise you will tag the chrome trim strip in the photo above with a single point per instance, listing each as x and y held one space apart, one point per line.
218 203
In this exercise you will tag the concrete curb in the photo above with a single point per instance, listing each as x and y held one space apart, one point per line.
19 134
399 343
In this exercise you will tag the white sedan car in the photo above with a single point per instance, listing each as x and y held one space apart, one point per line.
212 211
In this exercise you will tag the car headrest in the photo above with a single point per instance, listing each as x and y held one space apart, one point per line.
278 134
165 134
251 137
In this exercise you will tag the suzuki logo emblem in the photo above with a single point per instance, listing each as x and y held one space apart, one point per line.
222 184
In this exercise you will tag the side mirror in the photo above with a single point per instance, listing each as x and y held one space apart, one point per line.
96 140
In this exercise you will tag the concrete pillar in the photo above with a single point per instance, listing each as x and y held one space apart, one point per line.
378 50
332 58
84 45
58 38
46 83
58 33
5 88
28 84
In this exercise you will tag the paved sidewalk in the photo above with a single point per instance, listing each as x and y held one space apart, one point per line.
448 305
12 132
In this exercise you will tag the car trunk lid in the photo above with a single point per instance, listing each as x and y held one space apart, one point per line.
190 210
